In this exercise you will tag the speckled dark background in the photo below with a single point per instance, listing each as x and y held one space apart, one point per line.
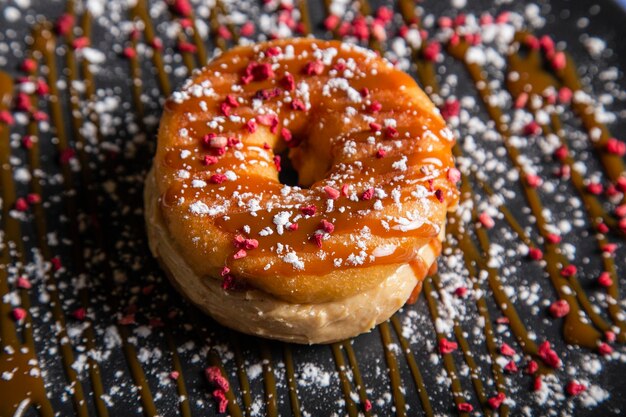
131 257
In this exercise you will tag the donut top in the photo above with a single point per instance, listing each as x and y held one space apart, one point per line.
372 153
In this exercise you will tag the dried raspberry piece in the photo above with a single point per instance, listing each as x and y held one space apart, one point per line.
251 126
22 102
537 383
224 33
439 195
56 263
465 407
485 219
511 367
214 375
293 226
308 210
451 108
604 349
174 375
217 178
327 226
565 95
533 180
559 308
375 107
446 346
79 314
496 402
507 350
548 355
129 52
318 238
331 192
535 254
21 204
460 292
616 147
297 104
277 162
532 367
209 160
314 67
270 120
559 61
222 402
431 51
375 127
6 117
267 93
595 188
331 22
81 42
391 132
23 283
367 194
610 336
345 190
554 239
367 406
181 7
288 82
241 253
561 153
532 128
569 271
247 29
605 279
574 388
18 314
64 24
256 71
42 88
127 319
380 153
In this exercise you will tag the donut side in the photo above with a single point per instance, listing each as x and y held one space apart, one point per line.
256 312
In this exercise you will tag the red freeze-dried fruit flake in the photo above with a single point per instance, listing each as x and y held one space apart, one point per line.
568 271
288 82
247 29
256 71
314 67
604 349
64 24
318 238
574 388
209 160
79 314
616 147
559 308
511 367
548 355
465 407
174 375
327 226
380 153
496 402
605 279
18 314
6 117
214 376
298 104
486 220
367 194
559 61
270 120
375 107
535 254
446 346
23 283
451 108
217 178
241 253
431 51
181 7
222 402
308 210
331 192
21 204
507 350
367 406
532 367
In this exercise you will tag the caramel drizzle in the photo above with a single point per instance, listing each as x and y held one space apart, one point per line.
596 212
291 380
23 390
340 364
576 331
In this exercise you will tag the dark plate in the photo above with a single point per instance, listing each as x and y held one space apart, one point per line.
91 220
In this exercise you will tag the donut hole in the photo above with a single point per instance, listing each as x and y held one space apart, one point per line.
288 174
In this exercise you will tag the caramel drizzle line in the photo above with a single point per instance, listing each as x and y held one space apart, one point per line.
90 94
595 211
394 371
269 380
469 359
43 34
356 374
77 253
340 364
140 12
448 359
42 51
35 394
576 331
246 393
291 380
415 372
614 165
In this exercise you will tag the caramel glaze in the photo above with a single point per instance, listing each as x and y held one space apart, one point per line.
422 139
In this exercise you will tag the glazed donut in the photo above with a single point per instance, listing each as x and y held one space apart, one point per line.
337 254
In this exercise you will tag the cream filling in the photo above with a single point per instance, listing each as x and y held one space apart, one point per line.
259 313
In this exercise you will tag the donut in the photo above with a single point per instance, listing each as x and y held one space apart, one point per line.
328 255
